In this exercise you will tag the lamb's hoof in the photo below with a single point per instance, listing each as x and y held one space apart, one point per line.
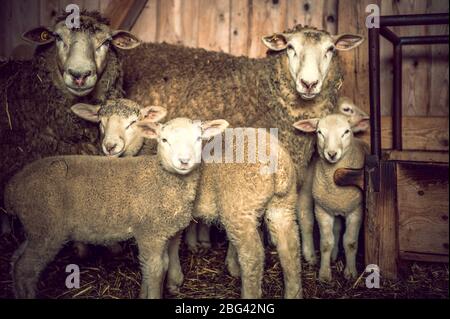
310 258
325 275
350 273
334 257
206 245
193 248
174 283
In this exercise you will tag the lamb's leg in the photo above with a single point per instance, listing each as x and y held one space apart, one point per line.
190 237
28 262
353 225
232 261
305 212
154 260
175 275
284 231
204 239
5 224
244 235
325 222
337 228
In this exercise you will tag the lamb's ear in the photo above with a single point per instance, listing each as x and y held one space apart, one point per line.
39 35
154 113
347 41
360 125
275 42
212 128
307 126
124 40
87 112
149 129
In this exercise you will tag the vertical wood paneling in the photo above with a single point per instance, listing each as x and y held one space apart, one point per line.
240 11
305 12
355 62
330 16
49 10
214 25
266 17
146 25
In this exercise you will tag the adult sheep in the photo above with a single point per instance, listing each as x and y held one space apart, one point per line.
300 79
69 66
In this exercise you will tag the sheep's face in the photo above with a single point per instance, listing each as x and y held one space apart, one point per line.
334 134
310 53
81 53
118 121
180 141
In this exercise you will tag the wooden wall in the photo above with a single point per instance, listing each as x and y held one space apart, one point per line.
236 26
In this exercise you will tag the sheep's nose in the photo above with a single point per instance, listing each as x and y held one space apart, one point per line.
309 85
332 154
184 161
110 147
79 77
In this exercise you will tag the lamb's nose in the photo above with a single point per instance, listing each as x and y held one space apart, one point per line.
332 154
184 161
110 147
309 85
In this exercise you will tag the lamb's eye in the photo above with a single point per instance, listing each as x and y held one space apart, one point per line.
319 132
199 139
330 49
129 125
164 140
346 109
345 133
290 48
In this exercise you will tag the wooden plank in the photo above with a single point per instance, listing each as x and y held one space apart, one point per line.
355 63
239 42
422 192
91 5
305 12
214 25
145 27
416 156
380 232
419 133
132 14
49 10
439 65
266 17
117 11
330 16
406 255
104 5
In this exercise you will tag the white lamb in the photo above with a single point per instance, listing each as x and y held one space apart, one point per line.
337 148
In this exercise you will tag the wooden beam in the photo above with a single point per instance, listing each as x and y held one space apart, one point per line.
406 255
124 13
416 156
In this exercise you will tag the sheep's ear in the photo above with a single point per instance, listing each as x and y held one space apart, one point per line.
212 128
87 112
124 40
149 129
154 113
39 35
275 42
360 125
347 41
307 126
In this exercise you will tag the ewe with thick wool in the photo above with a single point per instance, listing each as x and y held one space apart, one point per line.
300 79
337 148
238 195
68 66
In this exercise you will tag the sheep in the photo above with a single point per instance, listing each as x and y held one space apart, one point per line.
102 200
121 138
69 66
299 79
337 148
238 194
305 204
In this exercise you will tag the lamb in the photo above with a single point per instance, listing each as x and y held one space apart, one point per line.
239 194
102 200
121 138
299 79
305 200
69 66
337 148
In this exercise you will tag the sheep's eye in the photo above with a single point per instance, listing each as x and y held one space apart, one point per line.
346 132
130 124
319 132
346 109
104 44
164 140
290 48
57 36
330 49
